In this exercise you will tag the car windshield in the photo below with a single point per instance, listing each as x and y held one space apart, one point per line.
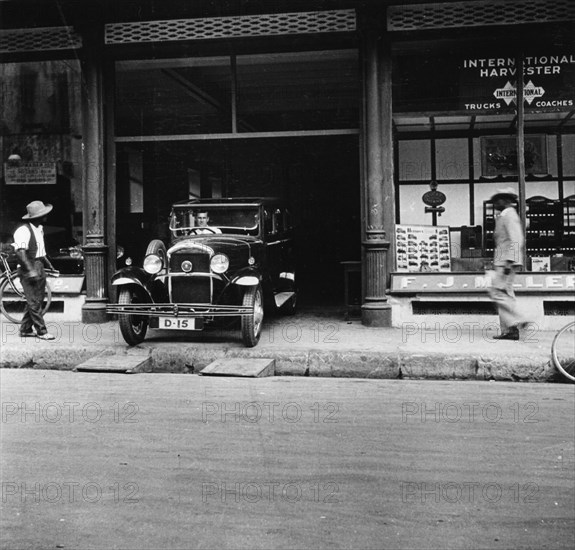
240 220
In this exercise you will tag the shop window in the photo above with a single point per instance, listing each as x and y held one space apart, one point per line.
298 91
568 155
173 96
456 206
452 159
415 160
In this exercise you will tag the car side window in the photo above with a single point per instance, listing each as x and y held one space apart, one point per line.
287 220
268 222
277 222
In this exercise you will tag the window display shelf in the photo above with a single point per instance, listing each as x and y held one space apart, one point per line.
550 226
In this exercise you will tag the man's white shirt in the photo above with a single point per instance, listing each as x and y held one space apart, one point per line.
22 239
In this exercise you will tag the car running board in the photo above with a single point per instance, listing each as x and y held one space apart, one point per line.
282 297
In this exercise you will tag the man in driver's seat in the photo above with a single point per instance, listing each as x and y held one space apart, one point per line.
203 228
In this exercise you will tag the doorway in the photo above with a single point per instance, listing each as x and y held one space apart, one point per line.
318 177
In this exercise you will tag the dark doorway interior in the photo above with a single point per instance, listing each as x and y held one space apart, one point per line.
318 177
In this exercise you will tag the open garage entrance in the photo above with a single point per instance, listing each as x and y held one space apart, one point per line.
318 176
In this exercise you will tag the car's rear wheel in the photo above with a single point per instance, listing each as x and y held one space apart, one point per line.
132 327
252 323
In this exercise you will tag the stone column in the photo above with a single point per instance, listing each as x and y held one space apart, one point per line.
377 180
95 248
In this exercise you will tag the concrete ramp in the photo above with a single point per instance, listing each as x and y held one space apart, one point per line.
240 366
123 364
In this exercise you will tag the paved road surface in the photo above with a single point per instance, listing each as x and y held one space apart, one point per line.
183 461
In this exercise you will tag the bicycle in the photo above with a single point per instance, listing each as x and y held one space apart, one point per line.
563 351
12 299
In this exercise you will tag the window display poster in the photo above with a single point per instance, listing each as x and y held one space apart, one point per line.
422 248
540 263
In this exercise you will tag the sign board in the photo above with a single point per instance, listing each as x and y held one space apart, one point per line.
66 284
420 283
489 82
422 248
485 81
30 173
433 198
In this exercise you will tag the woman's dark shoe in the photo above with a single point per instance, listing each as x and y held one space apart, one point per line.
511 334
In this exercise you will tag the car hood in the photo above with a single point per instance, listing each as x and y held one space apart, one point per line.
217 244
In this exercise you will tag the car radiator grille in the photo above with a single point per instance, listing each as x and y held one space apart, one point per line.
190 289
200 262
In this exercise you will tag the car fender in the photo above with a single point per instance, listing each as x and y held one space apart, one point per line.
135 276
247 277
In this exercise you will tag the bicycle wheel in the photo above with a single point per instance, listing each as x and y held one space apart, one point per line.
13 301
563 351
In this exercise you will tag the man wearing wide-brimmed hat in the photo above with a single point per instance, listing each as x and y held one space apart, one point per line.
507 259
31 251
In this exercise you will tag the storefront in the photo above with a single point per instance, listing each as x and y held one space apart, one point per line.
348 109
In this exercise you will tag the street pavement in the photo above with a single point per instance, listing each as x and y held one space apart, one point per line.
311 343
99 460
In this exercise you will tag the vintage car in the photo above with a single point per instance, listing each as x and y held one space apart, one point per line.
237 266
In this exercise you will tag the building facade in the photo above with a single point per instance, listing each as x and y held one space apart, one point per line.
385 125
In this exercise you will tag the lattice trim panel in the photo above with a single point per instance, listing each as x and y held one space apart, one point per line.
231 27
45 38
480 13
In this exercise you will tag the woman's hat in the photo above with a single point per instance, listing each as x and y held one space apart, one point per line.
507 193
37 209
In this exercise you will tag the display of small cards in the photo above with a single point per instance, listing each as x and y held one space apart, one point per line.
541 263
422 248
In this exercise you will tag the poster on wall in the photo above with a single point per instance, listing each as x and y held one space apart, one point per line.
30 173
499 155
422 248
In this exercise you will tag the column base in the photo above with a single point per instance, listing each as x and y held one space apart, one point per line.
376 315
94 312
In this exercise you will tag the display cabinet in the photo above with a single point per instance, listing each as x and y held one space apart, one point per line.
568 237
550 226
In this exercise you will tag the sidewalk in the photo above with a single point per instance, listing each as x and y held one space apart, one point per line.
311 343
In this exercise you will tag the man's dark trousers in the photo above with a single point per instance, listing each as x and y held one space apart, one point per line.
34 290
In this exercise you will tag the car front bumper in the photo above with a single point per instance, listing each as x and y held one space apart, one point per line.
179 310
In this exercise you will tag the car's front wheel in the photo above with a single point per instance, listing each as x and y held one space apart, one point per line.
132 327
252 323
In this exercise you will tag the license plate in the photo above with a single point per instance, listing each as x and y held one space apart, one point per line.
175 323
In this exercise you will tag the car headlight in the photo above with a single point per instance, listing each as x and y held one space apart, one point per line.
152 264
219 263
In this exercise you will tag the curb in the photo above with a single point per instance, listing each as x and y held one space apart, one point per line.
397 364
